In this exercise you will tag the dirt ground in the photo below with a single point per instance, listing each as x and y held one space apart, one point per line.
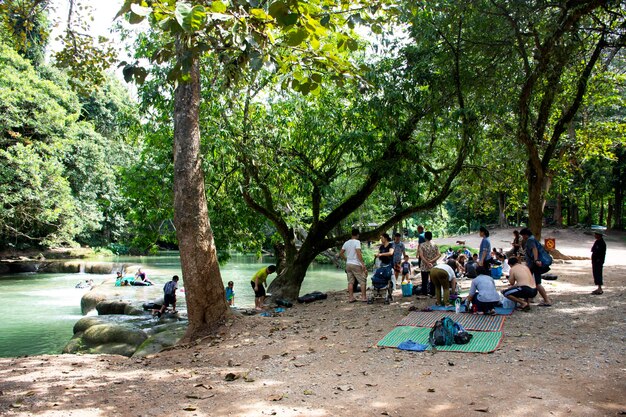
320 359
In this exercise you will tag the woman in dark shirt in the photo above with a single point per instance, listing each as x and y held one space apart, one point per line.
385 251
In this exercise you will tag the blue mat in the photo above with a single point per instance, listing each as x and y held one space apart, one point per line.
499 310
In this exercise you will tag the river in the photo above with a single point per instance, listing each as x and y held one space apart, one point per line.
39 310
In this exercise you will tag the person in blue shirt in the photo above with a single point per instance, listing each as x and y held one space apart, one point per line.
230 293
533 260
484 255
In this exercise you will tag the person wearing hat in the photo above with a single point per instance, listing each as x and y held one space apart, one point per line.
598 253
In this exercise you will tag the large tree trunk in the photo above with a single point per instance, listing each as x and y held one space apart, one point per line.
558 211
535 200
601 215
618 174
206 301
501 210
287 284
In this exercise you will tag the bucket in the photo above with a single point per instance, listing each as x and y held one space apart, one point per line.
407 289
496 271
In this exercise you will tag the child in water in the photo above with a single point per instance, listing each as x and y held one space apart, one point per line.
230 293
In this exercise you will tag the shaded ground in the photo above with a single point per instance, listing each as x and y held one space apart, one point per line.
319 360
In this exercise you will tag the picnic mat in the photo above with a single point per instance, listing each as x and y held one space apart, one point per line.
499 310
468 321
482 342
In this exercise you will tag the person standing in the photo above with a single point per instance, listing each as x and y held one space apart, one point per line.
598 253
355 266
484 255
230 293
258 285
399 252
538 262
428 255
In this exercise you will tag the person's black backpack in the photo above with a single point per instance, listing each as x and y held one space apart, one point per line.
462 338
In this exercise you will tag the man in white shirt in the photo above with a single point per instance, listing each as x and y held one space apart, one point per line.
355 266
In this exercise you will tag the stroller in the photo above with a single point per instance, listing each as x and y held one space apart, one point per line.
381 284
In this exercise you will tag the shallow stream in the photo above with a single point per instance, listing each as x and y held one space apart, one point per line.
39 310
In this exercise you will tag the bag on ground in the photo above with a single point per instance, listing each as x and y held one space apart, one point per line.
442 332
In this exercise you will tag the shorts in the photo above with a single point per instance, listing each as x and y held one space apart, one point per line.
538 271
169 299
521 292
356 273
260 292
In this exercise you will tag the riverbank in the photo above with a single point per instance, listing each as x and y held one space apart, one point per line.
320 359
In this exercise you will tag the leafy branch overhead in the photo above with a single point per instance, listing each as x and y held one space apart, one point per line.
300 41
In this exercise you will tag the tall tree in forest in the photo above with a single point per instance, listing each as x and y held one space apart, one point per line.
554 49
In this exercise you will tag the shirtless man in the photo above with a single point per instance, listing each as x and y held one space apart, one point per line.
523 284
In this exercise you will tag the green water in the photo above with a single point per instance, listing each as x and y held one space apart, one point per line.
39 310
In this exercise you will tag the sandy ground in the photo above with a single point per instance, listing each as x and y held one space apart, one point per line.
320 359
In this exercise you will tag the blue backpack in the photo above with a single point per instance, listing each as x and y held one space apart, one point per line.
442 333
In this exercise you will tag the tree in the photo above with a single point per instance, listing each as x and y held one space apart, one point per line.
554 46
26 26
241 34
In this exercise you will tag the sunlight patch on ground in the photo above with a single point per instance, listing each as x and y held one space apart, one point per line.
256 408
581 310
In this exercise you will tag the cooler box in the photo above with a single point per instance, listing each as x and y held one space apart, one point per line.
496 271
407 289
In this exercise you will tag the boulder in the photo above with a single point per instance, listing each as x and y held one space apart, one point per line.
168 336
111 307
90 300
101 334
85 323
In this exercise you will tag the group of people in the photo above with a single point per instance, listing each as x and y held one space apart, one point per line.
523 266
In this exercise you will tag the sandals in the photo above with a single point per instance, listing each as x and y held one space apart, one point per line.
544 304
597 292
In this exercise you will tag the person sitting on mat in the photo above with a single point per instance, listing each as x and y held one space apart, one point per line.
523 284
483 294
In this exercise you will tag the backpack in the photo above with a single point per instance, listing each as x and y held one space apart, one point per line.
442 333
544 257
169 288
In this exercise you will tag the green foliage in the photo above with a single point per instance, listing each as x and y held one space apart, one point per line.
36 204
61 178
85 58
24 25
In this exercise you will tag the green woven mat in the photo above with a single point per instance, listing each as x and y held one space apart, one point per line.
482 342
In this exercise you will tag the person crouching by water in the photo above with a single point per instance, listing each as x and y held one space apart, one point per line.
355 266
258 285
169 295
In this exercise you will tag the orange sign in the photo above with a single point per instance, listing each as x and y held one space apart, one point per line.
550 243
